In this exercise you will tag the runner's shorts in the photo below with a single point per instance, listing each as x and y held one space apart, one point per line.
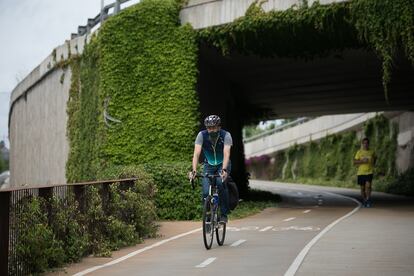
362 179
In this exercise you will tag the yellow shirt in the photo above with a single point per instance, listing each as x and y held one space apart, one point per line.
366 168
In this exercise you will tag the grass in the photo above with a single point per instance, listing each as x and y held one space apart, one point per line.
255 202
323 182
401 185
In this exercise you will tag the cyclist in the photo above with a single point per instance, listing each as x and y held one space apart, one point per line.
365 160
215 144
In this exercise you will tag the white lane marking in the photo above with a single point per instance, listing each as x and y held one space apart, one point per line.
298 228
289 219
244 228
206 262
249 228
237 243
307 211
299 259
84 272
233 229
266 228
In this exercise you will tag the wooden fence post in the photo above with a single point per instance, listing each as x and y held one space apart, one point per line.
4 232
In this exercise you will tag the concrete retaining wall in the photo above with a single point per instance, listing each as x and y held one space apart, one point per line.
39 147
310 131
37 120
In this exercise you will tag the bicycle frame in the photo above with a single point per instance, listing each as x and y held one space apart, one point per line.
211 211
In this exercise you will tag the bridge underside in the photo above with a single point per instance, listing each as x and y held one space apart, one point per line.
245 89
346 82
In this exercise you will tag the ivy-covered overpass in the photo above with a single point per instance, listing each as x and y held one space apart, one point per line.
348 57
159 78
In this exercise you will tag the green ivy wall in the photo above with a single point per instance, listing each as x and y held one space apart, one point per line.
144 64
148 70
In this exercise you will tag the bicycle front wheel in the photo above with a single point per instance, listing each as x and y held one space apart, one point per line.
220 229
208 229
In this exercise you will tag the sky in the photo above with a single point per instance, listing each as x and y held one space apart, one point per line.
30 30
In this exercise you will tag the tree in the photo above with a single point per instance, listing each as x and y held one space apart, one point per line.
4 157
2 164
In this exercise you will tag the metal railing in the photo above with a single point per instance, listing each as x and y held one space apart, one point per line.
277 129
102 16
12 208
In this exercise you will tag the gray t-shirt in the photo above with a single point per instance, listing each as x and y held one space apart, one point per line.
228 141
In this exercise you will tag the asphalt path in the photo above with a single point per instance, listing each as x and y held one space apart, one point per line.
315 231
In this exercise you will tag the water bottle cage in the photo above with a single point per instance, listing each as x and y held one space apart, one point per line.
214 199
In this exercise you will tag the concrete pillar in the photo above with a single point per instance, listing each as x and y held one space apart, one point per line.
217 96
405 149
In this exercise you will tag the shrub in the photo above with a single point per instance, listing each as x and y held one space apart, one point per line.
37 247
130 205
54 231
97 223
175 198
66 224
403 184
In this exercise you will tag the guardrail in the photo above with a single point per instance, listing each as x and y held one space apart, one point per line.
102 16
277 129
12 202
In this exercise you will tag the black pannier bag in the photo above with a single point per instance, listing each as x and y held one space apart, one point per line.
233 193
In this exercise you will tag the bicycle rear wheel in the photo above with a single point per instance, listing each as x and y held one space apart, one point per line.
220 229
208 226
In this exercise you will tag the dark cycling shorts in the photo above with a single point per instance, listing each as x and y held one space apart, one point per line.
362 179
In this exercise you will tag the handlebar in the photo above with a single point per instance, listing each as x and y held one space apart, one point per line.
201 175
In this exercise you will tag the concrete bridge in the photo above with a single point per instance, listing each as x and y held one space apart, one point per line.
206 13
348 82
250 86
316 129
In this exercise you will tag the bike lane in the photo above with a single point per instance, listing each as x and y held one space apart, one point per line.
264 244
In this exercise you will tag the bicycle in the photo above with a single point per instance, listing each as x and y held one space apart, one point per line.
212 213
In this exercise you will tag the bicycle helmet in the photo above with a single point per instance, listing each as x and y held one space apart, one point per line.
212 121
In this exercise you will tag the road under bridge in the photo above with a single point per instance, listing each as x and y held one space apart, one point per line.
315 231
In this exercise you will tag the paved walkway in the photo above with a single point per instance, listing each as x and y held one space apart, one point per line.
373 241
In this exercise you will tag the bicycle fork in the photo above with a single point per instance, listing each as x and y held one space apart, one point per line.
214 202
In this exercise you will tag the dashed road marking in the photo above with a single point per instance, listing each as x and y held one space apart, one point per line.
289 219
237 243
249 228
299 259
296 228
307 211
206 262
244 228
266 228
